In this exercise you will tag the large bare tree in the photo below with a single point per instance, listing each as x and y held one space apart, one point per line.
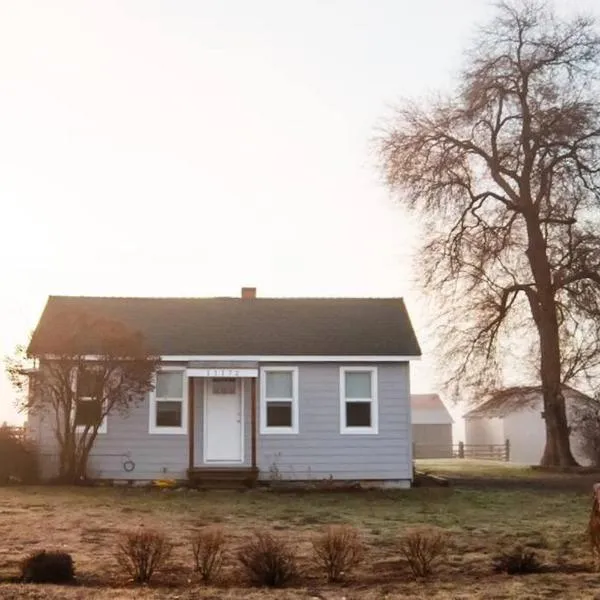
88 368
505 175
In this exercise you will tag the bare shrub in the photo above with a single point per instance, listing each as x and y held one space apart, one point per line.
517 561
423 549
48 567
338 550
18 457
268 561
142 553
208 547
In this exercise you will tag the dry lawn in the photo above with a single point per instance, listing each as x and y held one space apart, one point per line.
86 521
479 468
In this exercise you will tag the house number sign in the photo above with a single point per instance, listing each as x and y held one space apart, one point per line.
222 372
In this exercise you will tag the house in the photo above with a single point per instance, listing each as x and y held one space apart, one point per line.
431 427
516 415
274 388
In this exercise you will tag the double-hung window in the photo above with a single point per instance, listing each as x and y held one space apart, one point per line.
358 400
89 400
279 400
168 403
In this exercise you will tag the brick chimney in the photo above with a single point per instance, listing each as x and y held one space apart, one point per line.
248 293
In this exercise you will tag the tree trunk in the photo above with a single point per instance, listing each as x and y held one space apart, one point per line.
66 459
62 465
71 471
557 452
74 452
69 463
83 458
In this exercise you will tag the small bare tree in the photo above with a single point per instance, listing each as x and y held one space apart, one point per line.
86 368
505 175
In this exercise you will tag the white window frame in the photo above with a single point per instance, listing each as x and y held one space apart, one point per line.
264 429
81 428
374 428
152 427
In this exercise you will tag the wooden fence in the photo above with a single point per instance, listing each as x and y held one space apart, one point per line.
499 452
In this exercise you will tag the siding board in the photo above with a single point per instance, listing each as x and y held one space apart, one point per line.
318 451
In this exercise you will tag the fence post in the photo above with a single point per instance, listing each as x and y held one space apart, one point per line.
414 450
461 449
507 450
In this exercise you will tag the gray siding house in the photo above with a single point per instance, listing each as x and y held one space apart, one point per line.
268 388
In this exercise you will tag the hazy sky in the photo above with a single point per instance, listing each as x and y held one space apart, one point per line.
189 147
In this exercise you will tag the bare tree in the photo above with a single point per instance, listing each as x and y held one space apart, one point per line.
90 368
505 175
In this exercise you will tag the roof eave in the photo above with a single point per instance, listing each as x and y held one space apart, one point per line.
270 358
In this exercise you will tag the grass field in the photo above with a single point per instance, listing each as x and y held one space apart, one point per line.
477 468
86 521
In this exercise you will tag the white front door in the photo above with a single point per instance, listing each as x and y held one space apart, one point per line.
223 422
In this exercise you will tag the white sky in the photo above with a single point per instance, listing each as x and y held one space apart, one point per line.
185 147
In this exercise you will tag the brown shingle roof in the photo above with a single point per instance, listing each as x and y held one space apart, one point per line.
248 327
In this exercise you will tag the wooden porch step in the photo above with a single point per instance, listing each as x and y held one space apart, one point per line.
223 476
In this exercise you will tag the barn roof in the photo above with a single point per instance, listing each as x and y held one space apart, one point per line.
514 399
429 409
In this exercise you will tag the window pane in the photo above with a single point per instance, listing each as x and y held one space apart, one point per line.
89 383
358 414
279 384
169 385
88 412
279 414
224 386
168 414
358 384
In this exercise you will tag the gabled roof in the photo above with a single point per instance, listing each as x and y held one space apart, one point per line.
429 409
247 327
514 399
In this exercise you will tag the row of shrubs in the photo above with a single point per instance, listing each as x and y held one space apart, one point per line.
264 560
